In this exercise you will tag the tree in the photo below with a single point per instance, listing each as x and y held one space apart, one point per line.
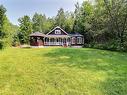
49 24
103 24
76 26
38 21
25 29
83 17
117 11
2 16
5 28
60 18
69 21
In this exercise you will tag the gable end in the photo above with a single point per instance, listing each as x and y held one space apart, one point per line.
57 31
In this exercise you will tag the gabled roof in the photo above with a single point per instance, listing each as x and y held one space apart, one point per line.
74 34
56 28
37 34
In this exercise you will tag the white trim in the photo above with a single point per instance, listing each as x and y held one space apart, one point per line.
58 32
59 28
73 40
79 40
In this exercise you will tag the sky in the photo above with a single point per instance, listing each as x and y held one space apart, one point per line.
19 8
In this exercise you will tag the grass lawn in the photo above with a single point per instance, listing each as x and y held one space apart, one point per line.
62 71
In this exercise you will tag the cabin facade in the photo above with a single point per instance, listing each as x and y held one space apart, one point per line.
56 37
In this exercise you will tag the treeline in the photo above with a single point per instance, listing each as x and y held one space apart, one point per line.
7 29
102 22
41 23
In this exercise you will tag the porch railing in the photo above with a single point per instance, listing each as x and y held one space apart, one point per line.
55 43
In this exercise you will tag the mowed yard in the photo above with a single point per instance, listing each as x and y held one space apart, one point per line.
62 71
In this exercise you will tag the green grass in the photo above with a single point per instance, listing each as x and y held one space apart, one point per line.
62 71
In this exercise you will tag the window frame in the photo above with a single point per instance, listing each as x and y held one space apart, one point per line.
79 40
73 40
58 32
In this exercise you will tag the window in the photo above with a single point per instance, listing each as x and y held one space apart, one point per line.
57 31
73 40
79 40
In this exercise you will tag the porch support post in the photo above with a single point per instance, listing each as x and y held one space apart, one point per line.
55 41
66 42
62 41
44 40
49 41
59 41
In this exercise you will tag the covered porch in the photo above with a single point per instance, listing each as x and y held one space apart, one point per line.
57 40
38 39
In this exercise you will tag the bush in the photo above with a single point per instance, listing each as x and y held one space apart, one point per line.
1 44
4 43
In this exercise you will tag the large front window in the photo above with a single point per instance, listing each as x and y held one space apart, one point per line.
79 40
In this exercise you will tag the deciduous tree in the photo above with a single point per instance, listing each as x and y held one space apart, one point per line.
25 29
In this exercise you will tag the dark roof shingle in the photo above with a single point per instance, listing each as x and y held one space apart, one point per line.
37 34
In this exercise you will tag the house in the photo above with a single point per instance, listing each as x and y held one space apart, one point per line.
56 37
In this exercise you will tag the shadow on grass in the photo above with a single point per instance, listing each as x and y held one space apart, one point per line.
88 58
112 63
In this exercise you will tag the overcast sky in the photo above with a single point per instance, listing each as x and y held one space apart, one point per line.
19 8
